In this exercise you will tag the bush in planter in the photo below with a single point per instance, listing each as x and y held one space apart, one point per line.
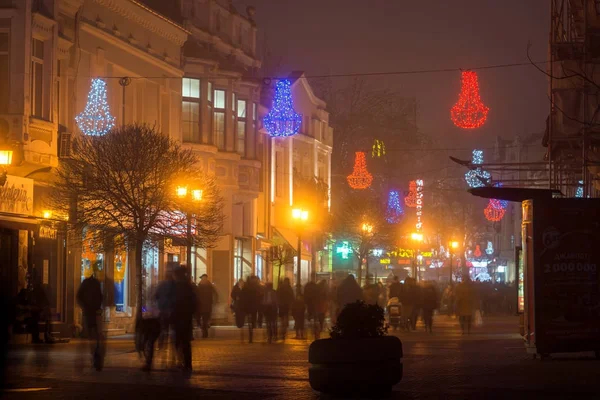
358 358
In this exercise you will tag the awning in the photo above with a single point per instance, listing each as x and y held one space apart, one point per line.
514 194
292 240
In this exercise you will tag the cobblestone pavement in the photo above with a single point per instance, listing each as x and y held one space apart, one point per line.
489 363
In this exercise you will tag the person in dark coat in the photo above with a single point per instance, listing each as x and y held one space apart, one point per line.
269 306
321 307
395 288
311 298
285 299
165 302
207 296
298 312
183 312
430 302
236 303
251 299
89 298
348 292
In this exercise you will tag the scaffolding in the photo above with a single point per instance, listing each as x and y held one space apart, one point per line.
573 125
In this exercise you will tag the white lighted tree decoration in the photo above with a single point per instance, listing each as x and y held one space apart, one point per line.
95 119
282 120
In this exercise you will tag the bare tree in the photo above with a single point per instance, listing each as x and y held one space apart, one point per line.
123 185
279 255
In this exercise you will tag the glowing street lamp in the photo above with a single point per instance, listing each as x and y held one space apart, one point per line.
194 195
416 237
300 216
453 246
6 155
47 214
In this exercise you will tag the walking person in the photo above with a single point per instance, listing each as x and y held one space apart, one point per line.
183 313
269 306
236 304
89 298
251 301
429 304
299 314
165 302
206 298
321 308
311 297
395 288
465 303
285 299
348 292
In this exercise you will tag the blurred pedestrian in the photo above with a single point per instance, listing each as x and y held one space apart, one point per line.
89 298
251 299
298 312
322 302
236 303
465 303
269 306
285 298
348 292
206 298
261 291
410 300
183 314
430 303
371 291
395 288
311 297
165 302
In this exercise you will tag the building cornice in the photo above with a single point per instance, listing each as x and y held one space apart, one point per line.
90 28
70 7
148 19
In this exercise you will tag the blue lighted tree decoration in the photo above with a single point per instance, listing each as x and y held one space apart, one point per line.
477 177
282 120
95 120
395 212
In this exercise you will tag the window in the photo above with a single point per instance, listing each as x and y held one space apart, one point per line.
4 74
240 146
190 110
37 78
219 119
64 145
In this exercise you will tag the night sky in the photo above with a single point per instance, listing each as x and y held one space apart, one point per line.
341 36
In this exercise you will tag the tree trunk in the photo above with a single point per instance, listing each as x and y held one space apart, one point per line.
359 274
139 246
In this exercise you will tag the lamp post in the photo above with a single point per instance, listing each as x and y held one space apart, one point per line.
192 195
416 237
367 229
453 246
300 216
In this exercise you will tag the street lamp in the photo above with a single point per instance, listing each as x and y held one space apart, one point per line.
6 155
416 237
193 195
300 216
453 246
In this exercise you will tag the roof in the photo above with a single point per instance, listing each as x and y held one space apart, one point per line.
167 9
514 194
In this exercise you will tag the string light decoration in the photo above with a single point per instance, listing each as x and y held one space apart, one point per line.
579 191
96 120
395 212
477 252
419 225
360 177
477 177
469 112
411 198
282 120
378 149
494 211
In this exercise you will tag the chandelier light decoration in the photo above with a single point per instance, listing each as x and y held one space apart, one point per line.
494 211
477 177
395 212
419 225
95 120
283 120
411 199
360 177
378 149
469 112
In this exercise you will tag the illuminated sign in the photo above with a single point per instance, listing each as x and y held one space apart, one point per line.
404 262
427 253
47 233
402 253
385 261
344 250
377 252
419 204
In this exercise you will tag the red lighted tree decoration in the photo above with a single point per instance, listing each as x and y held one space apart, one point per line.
411 199
469 112
360 177
494 211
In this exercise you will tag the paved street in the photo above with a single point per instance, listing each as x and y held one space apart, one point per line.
490 363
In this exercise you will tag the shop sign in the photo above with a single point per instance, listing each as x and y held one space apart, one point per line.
402 253
427 253
385 261
47 232
16 196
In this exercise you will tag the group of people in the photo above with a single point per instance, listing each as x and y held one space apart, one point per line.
416 299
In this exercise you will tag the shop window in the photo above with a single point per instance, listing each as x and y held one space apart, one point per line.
37 79
241 128
120 274
219 119
92 256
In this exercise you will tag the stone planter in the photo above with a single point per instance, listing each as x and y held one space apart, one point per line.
355 366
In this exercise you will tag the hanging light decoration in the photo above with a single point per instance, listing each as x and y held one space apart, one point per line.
378 149
395 212
494 211
411 198
360 177
282 120
579 191
477 177
477 252
469 112
95 120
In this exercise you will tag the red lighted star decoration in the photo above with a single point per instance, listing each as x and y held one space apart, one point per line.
469 112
